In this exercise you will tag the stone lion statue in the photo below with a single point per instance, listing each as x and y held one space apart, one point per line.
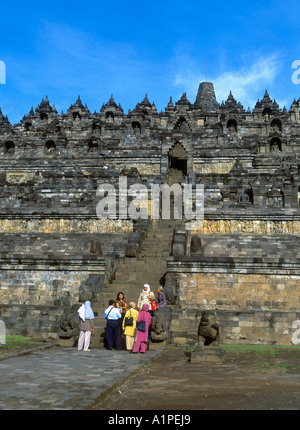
160 324
208 330
69 326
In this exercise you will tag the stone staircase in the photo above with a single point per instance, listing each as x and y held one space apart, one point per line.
132 273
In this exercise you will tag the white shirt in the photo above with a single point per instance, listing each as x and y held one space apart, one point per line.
114 313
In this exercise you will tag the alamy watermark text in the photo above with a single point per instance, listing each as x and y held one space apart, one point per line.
139 202
2 73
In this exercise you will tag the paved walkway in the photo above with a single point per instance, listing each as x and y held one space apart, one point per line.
64 378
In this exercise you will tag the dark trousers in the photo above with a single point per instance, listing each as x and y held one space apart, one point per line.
113 333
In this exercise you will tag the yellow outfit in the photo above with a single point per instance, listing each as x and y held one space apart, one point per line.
129 331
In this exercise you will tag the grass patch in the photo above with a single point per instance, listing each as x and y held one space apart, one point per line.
17 341
236 348
280 368
270 359
257 349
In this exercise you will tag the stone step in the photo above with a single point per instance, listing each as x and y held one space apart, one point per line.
98 330
139 267
153 244
102 305
160 232
157 240
150 267
113 290
129 261
130 293
143 256
132 273
135 262
154 253
136 277
152 249
208 354
136 283
128 290
162 235
157 244
132 289
97 341
166 231
131 278
133 283
142 269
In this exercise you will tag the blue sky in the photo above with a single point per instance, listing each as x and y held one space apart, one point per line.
63 49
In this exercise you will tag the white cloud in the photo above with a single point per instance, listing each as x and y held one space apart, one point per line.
247 83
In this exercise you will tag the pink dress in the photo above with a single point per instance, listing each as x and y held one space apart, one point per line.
141 338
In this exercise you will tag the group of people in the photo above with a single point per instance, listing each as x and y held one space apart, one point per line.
124 319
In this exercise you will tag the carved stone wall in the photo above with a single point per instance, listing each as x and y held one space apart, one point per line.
250 281
44 275
51 166
253 327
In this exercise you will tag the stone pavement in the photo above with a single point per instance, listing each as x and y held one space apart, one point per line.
64 378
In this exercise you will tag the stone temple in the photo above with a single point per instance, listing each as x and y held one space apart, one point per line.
244 261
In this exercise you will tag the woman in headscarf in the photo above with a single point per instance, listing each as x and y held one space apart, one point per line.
145 298
86 327
141 338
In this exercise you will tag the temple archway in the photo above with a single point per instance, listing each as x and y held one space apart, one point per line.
110 117
9 147
182 125
276 125
275 145
232 126
43 116
267 112
136 127
178 159
76 116
50 147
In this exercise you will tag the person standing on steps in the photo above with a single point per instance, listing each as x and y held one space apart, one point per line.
86 326
129 330
112 314
145 298
161 299
141 338
121 302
